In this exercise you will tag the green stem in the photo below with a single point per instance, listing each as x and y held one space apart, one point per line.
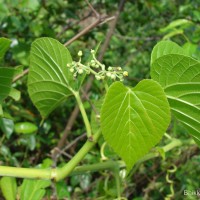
26 172
97 167
61 173
55 173
84 115
69 167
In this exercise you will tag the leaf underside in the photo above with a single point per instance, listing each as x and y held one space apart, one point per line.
179 75
49 80
133 120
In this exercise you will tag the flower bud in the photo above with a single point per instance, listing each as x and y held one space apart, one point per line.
93 64
113 76
92 51
125 73
80 71
98 77
80 53
119 68
108 74
110 68
71 70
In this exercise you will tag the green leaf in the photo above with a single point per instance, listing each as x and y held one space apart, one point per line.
4 46
6 77
182 23
197 140
49 79
9 188
7 126
25 128
33 189
62 190
179 75
133 120
165 48
191 49
172 34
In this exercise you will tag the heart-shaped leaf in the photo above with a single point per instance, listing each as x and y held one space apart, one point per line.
179 75
49 79
133 120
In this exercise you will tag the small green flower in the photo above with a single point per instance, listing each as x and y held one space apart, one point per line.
113 76
80 70
125 73
98 77
71 70
80 53
108 74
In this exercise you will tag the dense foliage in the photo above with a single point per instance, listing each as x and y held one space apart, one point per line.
27 140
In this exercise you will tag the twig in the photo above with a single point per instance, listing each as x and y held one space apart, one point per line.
84 31
93 10
63 152
88 28
69 25
21 75
74 141
111 30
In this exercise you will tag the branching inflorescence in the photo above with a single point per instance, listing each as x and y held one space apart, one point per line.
96 68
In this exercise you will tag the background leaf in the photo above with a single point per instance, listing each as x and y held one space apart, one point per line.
165 48
4 46
49 81
33 189
181 23
133 120
9 188
6 77
25 127
179 75
7 126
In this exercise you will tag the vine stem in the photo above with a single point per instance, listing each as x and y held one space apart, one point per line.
69 167
84 115
51 173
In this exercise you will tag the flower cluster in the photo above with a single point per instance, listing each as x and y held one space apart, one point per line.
96 68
